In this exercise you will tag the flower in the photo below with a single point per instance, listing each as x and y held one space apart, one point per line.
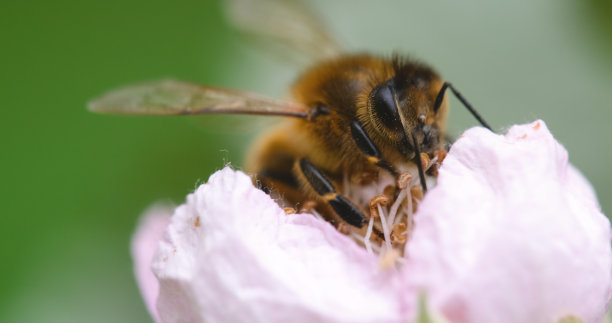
510 233
144 244
522 240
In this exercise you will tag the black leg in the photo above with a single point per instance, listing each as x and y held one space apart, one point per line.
419 164
440 97
348 211
366 146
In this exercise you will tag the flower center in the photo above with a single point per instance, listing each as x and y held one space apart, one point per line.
390 205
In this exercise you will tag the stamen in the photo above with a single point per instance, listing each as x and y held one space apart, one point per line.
366 241
403 181
391 217
409 208
377 201
386 229
395 206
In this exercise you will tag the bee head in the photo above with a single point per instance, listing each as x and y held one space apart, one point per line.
402 108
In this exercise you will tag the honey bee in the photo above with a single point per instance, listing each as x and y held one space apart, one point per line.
352 117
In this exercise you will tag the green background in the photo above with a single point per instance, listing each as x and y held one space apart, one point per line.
73 184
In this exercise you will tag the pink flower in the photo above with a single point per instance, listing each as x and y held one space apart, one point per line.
510 233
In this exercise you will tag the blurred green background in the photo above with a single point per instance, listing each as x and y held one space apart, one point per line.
74 183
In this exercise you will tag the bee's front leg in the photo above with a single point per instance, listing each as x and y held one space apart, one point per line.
367 146
348 211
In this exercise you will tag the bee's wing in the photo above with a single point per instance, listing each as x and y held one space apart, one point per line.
289 24
171 97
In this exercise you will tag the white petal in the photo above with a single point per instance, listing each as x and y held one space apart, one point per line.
232 255
144 244
511 233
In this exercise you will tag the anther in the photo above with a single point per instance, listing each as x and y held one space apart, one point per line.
403 180
425 161
440 155
399 233
375 202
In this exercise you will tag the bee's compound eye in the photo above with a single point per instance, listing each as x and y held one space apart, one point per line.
383 107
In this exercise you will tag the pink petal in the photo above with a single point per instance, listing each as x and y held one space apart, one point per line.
511 233
231 254
144 244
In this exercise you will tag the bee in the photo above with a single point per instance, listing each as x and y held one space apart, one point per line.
352 116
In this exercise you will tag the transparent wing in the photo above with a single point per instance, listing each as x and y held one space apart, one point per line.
171 97
289 24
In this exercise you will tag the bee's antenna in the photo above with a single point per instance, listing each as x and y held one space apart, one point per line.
457 94
419 164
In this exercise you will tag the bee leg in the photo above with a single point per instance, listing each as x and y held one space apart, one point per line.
367 146
419 164
348 211
457 94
